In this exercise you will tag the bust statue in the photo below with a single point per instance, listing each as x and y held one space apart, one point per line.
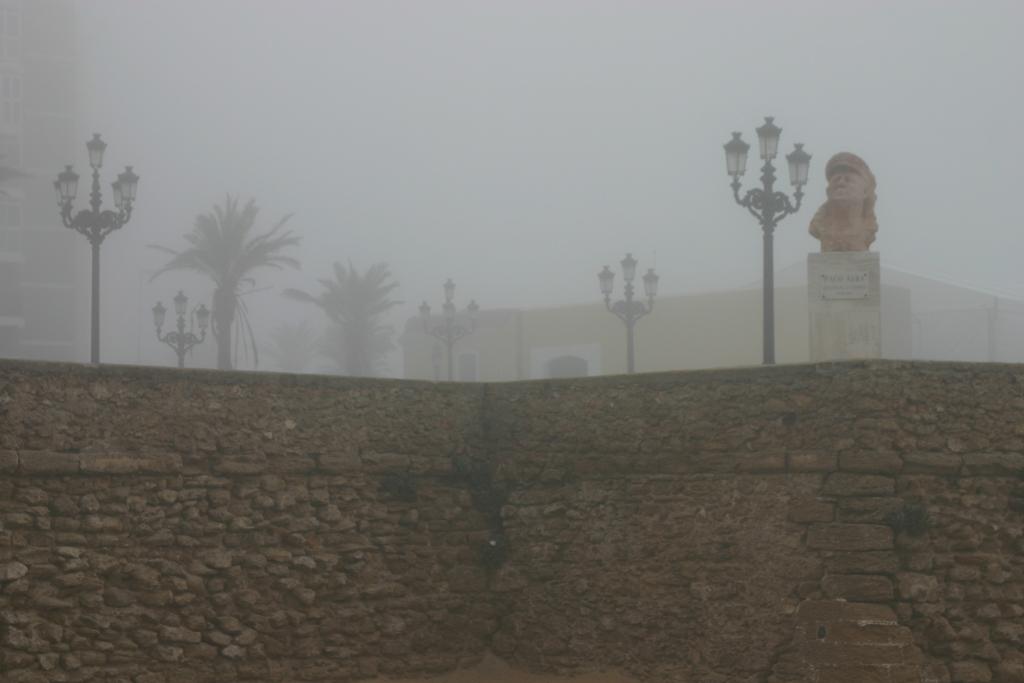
846 221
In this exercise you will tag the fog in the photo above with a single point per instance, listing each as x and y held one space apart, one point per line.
517 147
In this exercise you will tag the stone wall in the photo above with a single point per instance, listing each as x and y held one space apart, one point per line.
849 522
194 526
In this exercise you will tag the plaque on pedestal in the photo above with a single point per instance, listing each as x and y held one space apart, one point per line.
845 305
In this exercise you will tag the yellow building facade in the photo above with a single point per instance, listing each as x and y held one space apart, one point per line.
704 330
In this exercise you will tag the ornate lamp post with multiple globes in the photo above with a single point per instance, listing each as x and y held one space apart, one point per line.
767 206
627 310
180 340
93 222
452 327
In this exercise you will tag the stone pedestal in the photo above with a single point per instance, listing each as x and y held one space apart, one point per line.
844 303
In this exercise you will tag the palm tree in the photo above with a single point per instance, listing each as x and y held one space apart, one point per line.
222 248
294 346
354 303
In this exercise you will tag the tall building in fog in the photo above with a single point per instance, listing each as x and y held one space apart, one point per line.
40 275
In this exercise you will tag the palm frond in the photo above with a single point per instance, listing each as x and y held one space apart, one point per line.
221 246
299 295
354 303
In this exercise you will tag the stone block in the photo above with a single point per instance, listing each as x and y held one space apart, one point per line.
849 537
430 464
858 587
990 612
931 463
70 539
129 463
217 558
1010 671
765 463
109 463
385 462
814 461
853 674
808 511
1009 632
692 463
896 673
48 463
102 523
872 562
291 463
848 484
818 653
970 671
878 463
825 611
862 633
159 463
918 587
8 462
342 462
118 597
999 464
178 634
965 572
868 510
12 571
252 463
912 673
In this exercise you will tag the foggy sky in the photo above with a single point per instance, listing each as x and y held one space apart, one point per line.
517 147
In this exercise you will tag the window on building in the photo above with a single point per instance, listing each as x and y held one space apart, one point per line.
10 215
466 367
10 226
10 150
10 34
10 97
567 366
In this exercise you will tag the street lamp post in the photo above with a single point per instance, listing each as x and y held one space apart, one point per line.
767 206
451 328
435 361
95 223
627 310
180 340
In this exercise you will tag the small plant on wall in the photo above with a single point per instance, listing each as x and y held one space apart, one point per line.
492 553
399 487
911 519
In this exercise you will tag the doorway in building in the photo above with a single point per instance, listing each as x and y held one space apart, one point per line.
567 366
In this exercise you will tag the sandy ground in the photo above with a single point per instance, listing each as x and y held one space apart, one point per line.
493 670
